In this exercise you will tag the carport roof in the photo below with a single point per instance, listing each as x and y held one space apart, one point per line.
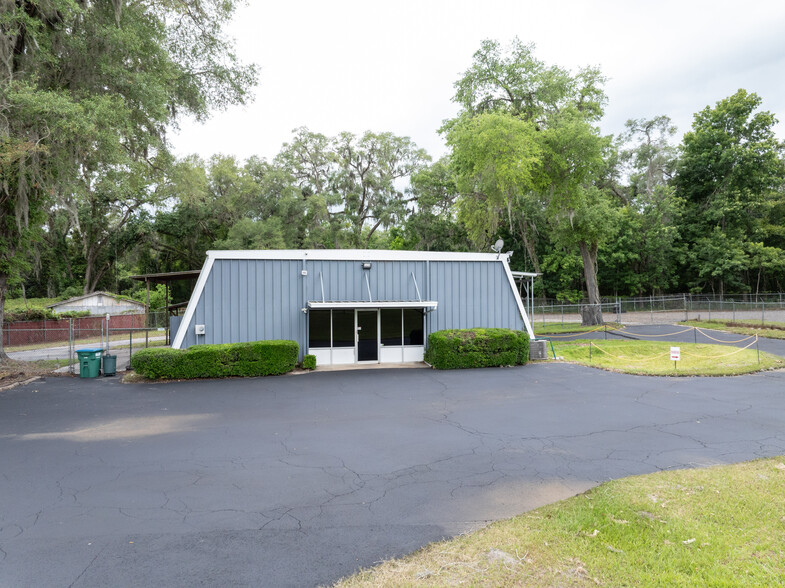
165 277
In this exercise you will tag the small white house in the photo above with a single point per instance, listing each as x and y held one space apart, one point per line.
99 303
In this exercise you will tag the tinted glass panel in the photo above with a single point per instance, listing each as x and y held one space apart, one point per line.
367 345
319 328
412 326
343 328
391 326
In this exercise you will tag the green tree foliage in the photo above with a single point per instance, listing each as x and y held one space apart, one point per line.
369 177
88 90
494 155
731 166
432 225
642 253
511 79
525 141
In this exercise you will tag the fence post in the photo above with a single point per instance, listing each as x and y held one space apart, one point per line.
709 309
686 316
562 315
70 345
762 312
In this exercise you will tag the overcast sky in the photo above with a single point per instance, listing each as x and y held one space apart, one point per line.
345 65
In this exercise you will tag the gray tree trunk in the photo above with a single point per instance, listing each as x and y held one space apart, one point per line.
591 313
3 289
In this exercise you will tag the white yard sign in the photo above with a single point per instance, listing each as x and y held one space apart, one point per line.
675 353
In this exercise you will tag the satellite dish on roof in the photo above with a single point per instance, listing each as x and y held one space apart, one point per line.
497 247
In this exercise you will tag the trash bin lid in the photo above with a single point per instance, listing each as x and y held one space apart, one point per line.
90 350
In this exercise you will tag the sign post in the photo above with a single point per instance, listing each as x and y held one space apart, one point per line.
675 355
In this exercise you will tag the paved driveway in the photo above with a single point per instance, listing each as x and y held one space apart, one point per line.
298 480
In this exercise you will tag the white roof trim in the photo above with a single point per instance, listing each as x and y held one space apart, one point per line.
518 300
315 305
354 255
524 274
192 303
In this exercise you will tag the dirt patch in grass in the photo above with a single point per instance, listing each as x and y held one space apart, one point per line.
13 371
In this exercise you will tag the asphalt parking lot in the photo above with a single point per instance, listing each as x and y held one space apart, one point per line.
298 480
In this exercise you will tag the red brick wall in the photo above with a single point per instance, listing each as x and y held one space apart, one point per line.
33 332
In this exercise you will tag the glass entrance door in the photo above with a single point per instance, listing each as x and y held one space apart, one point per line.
367 335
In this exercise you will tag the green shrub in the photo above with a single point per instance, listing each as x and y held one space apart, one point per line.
309 362
474 348
29 314
72 314
42 314
258 358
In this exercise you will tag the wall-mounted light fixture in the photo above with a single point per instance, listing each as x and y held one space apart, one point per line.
366 265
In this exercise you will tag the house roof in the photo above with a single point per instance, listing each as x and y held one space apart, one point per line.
91 294
355 255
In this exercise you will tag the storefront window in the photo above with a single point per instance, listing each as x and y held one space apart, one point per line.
391 326
343 328
319 328
412 326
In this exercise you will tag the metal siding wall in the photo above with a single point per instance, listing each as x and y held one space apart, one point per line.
345 280
249 300
472 294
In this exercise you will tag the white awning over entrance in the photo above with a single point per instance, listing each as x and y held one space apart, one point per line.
377 304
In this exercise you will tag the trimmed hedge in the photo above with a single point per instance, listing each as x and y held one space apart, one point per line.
474 348
257 358
309 362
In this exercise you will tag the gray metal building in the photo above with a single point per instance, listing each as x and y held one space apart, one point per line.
348 305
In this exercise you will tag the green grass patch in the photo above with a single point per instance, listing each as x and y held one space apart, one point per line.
771 330
653 357
555 328
719 526
52 364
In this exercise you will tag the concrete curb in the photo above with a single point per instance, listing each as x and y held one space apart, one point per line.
15 384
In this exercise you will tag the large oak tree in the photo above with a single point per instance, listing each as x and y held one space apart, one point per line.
87 92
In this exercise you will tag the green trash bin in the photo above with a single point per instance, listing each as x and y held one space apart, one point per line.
89 362
110 365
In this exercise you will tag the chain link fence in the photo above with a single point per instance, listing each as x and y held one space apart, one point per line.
53 343
758 309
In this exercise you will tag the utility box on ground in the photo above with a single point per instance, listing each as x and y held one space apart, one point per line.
538 349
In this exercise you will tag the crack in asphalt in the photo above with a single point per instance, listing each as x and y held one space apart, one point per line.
87 567
473 455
